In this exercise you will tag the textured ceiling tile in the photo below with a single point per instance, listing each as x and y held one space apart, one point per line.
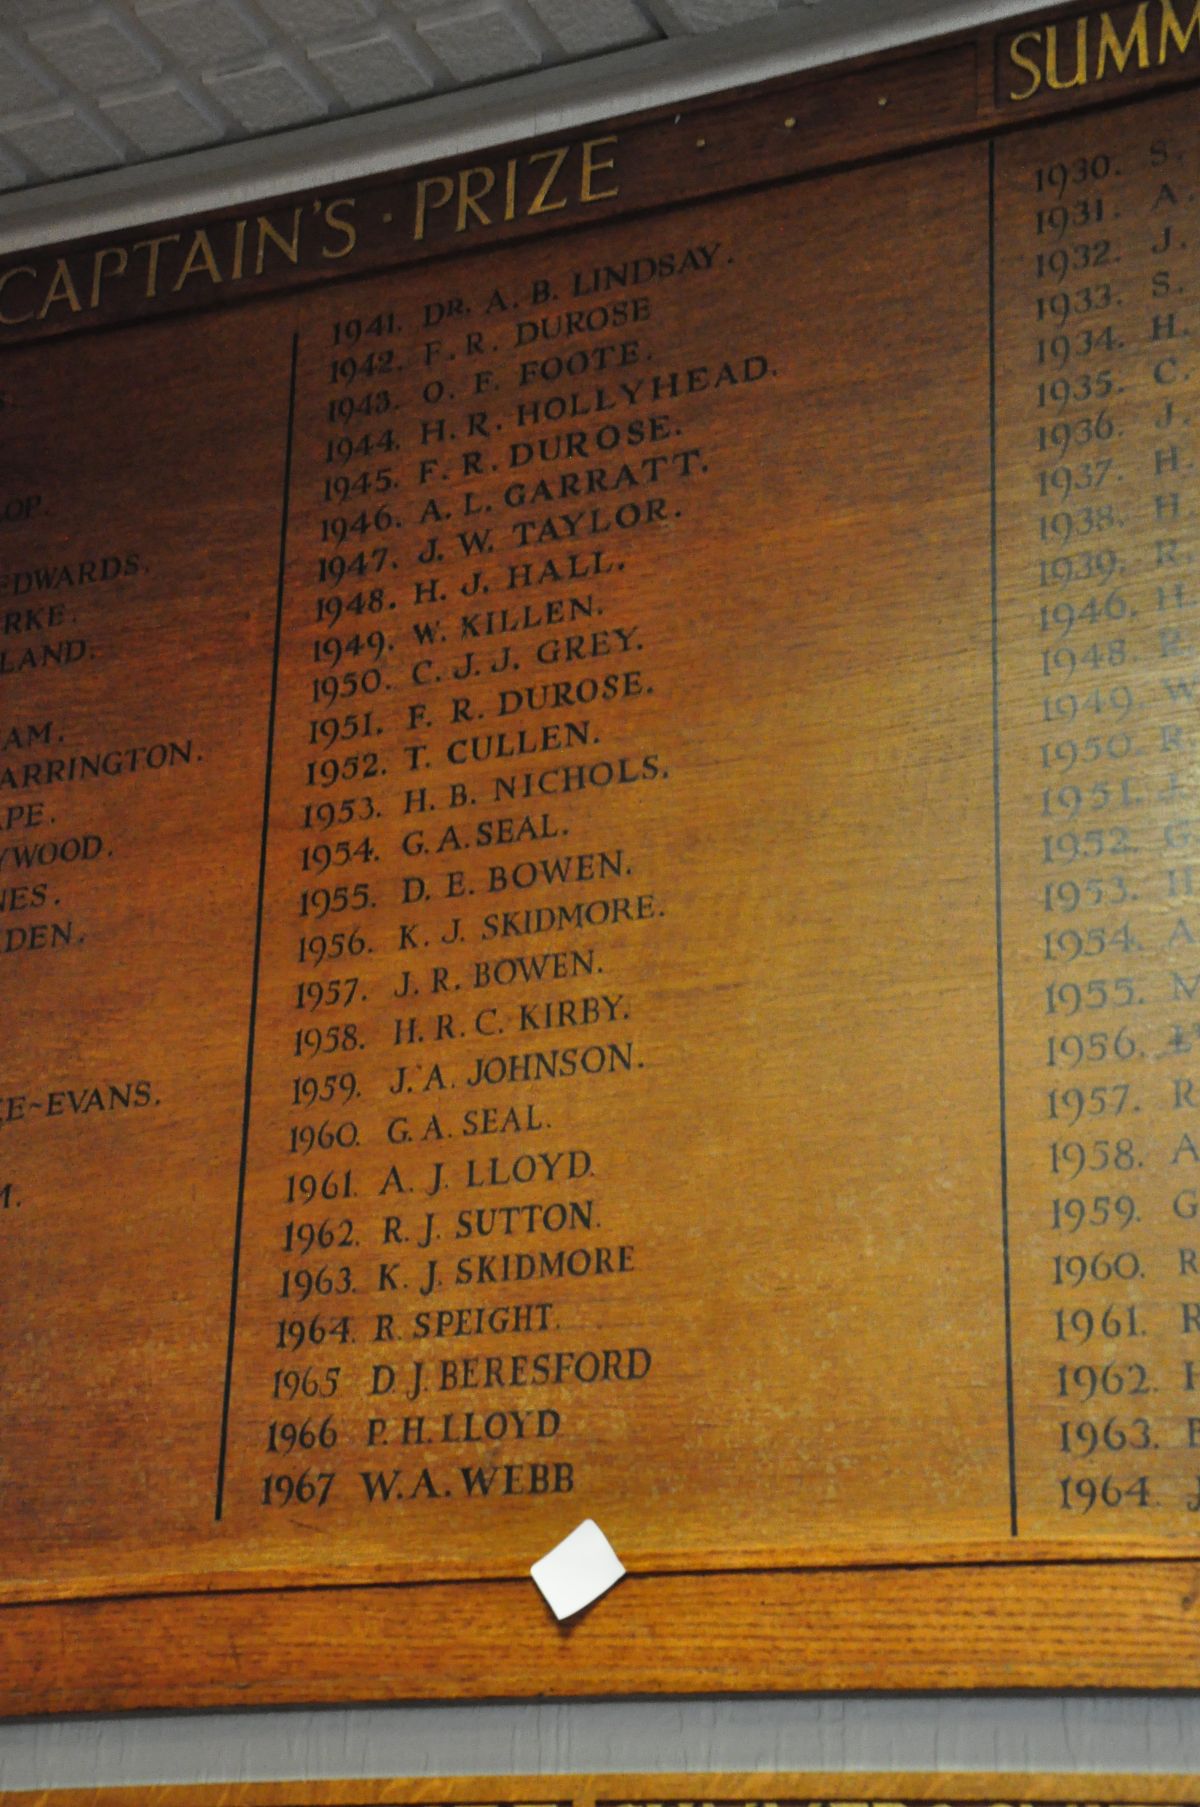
715 15
121 81
61 143
35 12
21 87
310 19
372 71
163 120
11 173
94 53
480 45
266 96
601 25
202 32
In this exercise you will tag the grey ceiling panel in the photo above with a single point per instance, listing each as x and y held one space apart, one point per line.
119 82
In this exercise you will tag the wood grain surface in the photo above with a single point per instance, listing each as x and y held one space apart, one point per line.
598 920
1083 1625
888 1789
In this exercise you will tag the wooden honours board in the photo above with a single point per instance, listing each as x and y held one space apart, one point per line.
600 906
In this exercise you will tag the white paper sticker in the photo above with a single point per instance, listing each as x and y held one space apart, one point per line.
578 1570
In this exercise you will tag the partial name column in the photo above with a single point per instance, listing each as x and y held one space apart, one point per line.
136 598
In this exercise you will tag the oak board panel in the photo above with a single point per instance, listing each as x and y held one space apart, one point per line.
597 918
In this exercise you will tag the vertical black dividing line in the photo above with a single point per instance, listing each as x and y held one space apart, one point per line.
1008 1336
258 925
